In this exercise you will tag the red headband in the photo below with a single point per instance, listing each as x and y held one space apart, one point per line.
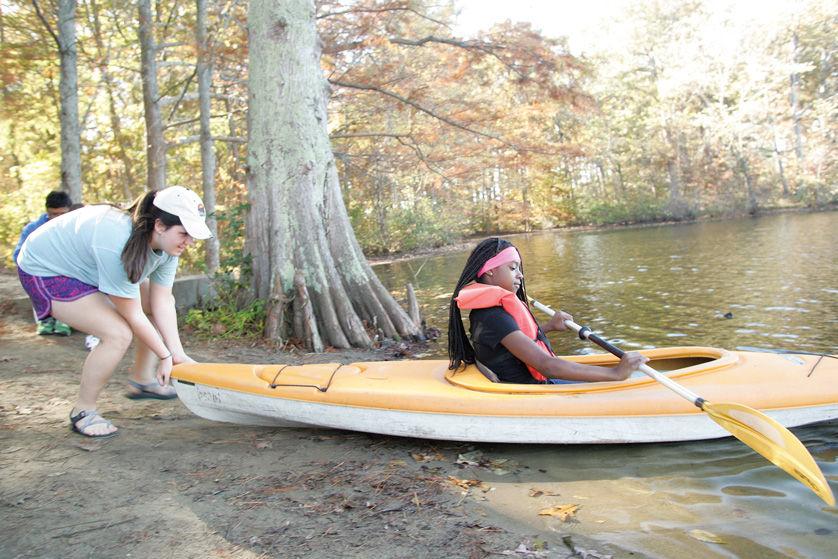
509 254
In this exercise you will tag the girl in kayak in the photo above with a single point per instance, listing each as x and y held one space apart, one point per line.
105 272
507 339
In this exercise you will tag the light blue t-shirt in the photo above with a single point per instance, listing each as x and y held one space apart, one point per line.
86 244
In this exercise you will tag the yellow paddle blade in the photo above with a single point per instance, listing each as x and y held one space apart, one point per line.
769 438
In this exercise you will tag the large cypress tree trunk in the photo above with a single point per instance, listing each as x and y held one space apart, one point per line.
297 219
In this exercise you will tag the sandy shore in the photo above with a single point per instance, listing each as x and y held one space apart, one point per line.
174 485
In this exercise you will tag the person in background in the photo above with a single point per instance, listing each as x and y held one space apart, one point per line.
507 339
58 203
110 273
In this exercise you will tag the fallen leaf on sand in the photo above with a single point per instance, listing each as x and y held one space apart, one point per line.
564 512
467 484
704 536
470 458
497 466
427 457
523 550
542 492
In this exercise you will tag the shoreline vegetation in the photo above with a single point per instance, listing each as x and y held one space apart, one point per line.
469 242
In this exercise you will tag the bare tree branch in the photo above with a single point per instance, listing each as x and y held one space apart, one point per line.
382 10
229 139
189 121
418 150
46 23
186 140
162 46
182 93
182 142
418 107
369 135
168 100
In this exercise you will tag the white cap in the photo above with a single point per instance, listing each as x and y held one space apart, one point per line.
182 202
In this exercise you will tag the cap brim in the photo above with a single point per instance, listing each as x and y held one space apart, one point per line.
196 228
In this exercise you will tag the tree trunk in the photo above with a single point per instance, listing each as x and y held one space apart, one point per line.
211 246
306 325
297 219
69 91
673 167
102 55
745 168
619 184
12 170
413 306
525 197
780 167
794 85
155 142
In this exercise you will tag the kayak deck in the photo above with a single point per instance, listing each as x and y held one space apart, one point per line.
762 381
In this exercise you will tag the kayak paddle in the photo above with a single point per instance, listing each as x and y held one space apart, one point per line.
760 432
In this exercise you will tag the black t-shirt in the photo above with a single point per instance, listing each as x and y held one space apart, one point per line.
488 327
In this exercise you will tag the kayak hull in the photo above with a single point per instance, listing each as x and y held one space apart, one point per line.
422 399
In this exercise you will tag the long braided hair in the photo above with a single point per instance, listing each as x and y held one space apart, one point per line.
460 350
144 214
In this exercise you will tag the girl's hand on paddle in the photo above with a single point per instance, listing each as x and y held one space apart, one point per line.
164 371
557 322
629 363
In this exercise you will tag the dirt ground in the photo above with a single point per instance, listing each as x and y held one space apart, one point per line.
174 485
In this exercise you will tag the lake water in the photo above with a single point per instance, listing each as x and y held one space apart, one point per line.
775 277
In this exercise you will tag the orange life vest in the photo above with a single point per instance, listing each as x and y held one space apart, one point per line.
482 296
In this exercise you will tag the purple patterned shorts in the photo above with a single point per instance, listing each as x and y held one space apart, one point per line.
44 290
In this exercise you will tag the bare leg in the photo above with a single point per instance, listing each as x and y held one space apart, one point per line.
94 314
145 361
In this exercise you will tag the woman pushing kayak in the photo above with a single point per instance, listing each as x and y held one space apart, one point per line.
110 274
507 339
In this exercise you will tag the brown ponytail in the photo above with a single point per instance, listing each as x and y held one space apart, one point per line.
144 214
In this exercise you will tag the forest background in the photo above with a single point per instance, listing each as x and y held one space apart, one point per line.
698 114
699 111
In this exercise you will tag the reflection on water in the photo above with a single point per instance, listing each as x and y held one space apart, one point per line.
775 277
652 499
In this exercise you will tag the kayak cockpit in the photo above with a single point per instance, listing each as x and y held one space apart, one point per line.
678 362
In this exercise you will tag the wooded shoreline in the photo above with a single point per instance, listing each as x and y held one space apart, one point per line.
467 244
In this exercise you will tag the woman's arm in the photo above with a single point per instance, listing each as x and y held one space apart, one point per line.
164 315
132 311
530 353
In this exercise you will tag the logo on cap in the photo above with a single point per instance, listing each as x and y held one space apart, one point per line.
201 211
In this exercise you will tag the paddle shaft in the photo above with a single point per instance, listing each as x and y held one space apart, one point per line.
585 333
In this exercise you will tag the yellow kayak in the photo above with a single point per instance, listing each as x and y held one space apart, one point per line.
424 399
